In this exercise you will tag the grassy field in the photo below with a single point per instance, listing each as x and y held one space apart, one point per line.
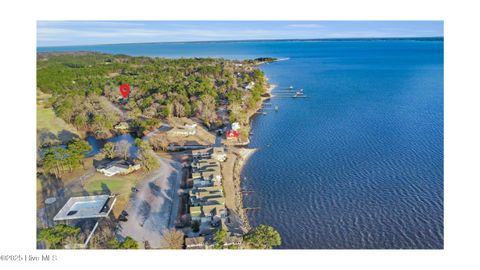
118 184
46 118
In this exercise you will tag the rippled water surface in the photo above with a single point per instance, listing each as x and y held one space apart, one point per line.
359 162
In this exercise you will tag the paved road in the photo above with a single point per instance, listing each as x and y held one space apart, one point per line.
154 207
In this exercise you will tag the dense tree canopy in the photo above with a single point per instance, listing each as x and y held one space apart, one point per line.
58 236
220 237
146 156
263 237
127 243
85 88
57 160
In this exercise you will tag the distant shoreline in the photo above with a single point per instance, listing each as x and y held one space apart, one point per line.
433 38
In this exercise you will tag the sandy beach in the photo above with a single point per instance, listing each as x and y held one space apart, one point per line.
231 170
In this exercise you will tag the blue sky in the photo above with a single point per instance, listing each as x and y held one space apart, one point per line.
64 33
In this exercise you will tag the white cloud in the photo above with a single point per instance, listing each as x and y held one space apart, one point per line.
48 33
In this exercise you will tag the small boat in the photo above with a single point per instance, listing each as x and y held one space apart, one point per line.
276 108
291 87
299 93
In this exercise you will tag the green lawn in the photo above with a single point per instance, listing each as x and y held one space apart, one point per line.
118 184
115 185
46 119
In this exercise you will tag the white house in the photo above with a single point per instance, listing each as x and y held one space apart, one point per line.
249 85
118 167
182 132
191 126
219 154
235 126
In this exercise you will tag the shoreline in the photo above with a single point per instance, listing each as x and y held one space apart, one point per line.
243 155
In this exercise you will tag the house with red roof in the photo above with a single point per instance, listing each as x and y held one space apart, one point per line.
232 134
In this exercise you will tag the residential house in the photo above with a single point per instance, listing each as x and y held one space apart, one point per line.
181 132
219 154
249 86
201 153
235 126
233 240
196 213
217 210
191 126
195 242
206 195
122 167
232 134
122 126
206 172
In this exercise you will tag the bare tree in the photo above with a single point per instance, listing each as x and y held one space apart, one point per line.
178 109
206 109
159 142
123 149
103 235
172 239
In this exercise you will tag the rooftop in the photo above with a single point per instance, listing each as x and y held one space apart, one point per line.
84 207
208 209
195 211
194 241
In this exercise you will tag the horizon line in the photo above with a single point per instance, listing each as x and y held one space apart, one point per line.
257 40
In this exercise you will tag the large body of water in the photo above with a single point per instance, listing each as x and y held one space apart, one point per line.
356 164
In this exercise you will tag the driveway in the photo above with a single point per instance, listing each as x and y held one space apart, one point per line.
154 207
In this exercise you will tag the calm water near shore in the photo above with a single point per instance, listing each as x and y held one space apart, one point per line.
356 164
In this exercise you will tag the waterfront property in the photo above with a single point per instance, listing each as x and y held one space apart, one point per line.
217 153
207 199
235 126
206 172
208 242
373 120
206 195
195 242
232 134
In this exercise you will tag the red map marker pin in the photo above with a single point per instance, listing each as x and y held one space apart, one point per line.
125 90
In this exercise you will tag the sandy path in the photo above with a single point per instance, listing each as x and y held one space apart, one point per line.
154 207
